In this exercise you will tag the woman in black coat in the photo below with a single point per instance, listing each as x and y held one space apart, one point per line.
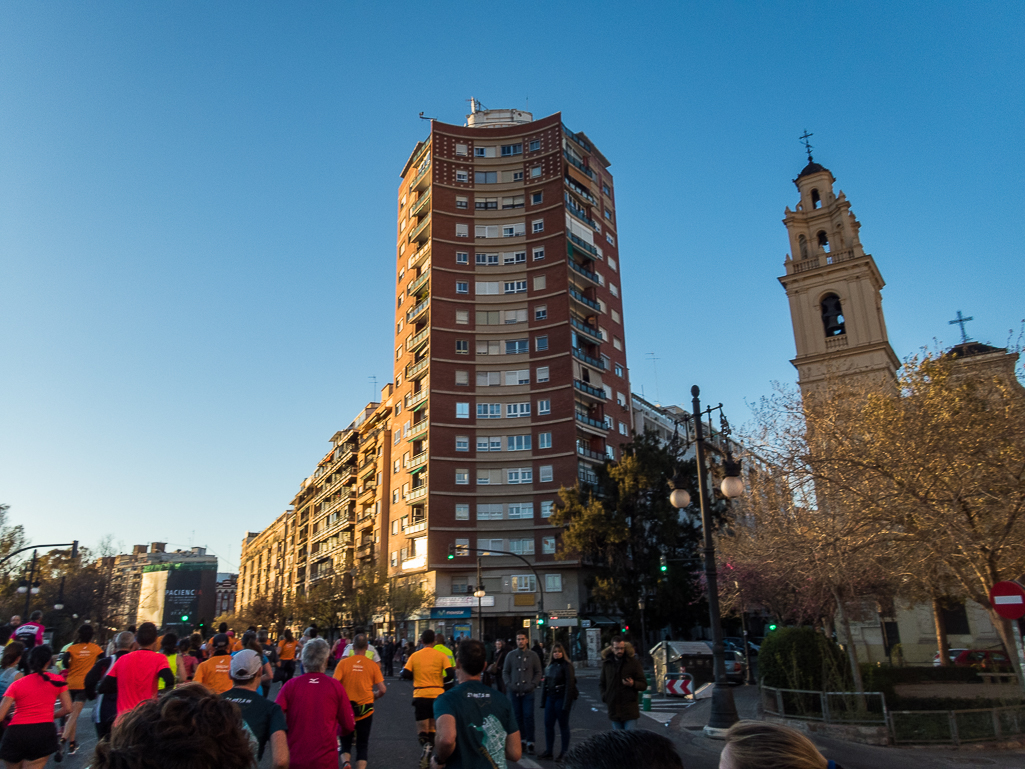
559 691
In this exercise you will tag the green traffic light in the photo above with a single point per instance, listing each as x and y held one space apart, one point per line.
772 627
185 618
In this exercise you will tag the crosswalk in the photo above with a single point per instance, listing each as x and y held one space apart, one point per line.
664 710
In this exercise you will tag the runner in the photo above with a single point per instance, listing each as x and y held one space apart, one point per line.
429 670
476 726
30 633
215 673
286 655
363 683
105 706
31 736
133 678
187 663
250 643
439 644
78 660
316 709
271 653
266 719
169 648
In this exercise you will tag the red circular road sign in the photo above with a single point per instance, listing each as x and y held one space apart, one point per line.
1008 599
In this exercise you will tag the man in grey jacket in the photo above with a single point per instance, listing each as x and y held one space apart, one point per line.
522 675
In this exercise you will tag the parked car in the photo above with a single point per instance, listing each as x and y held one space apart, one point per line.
736 643
990 660
736 667
953 656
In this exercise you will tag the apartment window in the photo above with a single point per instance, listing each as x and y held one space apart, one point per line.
601 304
485 347
544 441
520 376
610 452
553 583
514 410
489 411
613 265
396 466
522 547
486 260
517 176
619 370
463 546
462 347
608 214
535 145
613 289
521 510
398 437
394 557
546 509
487 287
548 545
462 176
462 411
523 583
489 443
539 253
516 475
462 230
485 177
611 240
462 443
462 287
517 257
489 378
601 280
491 512
616 316
603 333
485 204
617 343
513 201
398 352
511 149
515 287
489 477
462 317
541 374
398 326
513 230
459 586
541 312
536 198
484 546
515 316
620 398
462 512
535 172
406 427
546 473
395 524
541 342
462 477
540 283
518 443
461 149
463 378
515 346
623 429
462 201
538 225
544 407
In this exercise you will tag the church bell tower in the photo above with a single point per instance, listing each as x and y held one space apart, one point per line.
834 288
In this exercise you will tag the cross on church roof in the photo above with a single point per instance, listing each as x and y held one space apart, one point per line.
804 140
960 321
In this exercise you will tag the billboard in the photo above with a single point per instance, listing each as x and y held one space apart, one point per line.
176 594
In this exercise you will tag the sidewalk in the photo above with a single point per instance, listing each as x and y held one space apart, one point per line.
696 716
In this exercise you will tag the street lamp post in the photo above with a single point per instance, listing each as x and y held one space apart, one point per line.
479 593
724 709
644 631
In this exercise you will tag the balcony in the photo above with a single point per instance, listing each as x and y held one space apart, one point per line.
594 392
412 369
368 464
423 178
417 460
420 428
579 213
421 308
586 452
581 191
573 136
419 256
586 420
584 328
585 358
368 487
586 476
583 271
420 204
579 166
413 341
414 398
421 228
584 300
583 244
414 528
415 285
418 493
365 551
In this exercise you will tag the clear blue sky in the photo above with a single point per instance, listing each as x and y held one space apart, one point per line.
197 213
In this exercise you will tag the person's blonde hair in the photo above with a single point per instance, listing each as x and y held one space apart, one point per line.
757 744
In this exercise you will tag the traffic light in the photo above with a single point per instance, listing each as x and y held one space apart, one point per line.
626 629
540 620
185 618
772 627
451 550
663 565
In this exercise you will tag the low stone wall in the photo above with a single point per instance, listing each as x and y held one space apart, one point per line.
956 690
877 734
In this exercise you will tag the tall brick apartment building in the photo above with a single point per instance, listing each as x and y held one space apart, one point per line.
510 359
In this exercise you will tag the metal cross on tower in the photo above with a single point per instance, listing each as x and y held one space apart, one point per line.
960 321
804 140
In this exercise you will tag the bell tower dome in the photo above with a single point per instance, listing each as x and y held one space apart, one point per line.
834 287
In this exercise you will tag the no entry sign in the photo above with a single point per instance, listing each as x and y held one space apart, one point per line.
1008 599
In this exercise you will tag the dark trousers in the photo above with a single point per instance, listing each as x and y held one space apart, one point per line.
362 735
523 709
389 666
288 666
554 712
103 729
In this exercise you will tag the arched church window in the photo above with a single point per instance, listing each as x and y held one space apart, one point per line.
832 316
803 243
816 201
823 241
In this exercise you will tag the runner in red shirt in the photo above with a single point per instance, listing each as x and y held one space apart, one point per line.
134 677
31 736
317 709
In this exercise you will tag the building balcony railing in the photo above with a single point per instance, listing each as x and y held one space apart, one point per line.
368 487
414 528
585 358
366 464
584 300
584 419
580 166
423 175
417 311
418 459
584 328
420 203
412 369
583 244
586 476
419 256
415 285
414 398
583 271
365 551
417 430
418 493
594 392
415 340
581 191
586 452
579 213
574 137
415 234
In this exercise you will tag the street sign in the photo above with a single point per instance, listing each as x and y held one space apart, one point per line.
679 687
1008 599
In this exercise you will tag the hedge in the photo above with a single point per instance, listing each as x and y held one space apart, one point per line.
802 658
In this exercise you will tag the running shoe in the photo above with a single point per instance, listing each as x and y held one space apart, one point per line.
72 748
425 757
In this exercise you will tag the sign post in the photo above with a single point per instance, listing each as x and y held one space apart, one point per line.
1008 600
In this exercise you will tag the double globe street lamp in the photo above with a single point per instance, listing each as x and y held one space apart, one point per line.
724 709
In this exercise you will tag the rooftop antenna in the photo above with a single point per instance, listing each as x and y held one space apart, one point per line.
424 117
960 321
804 140
476 106
654 362
373 383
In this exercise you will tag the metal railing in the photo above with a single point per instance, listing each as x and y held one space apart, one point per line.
584 387
415 339
583 356
583 271
830 707
580 166
954 727
416 284
583 244
417 310
414 398
420 228
420 203
585 328
584 300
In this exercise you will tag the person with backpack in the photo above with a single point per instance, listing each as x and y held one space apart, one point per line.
30 633
32 735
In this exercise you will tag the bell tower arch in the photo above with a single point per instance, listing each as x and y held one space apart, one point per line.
834 287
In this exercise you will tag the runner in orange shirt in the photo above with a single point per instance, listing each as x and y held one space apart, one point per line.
215 673
430 671
286 655
78 660
364 683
